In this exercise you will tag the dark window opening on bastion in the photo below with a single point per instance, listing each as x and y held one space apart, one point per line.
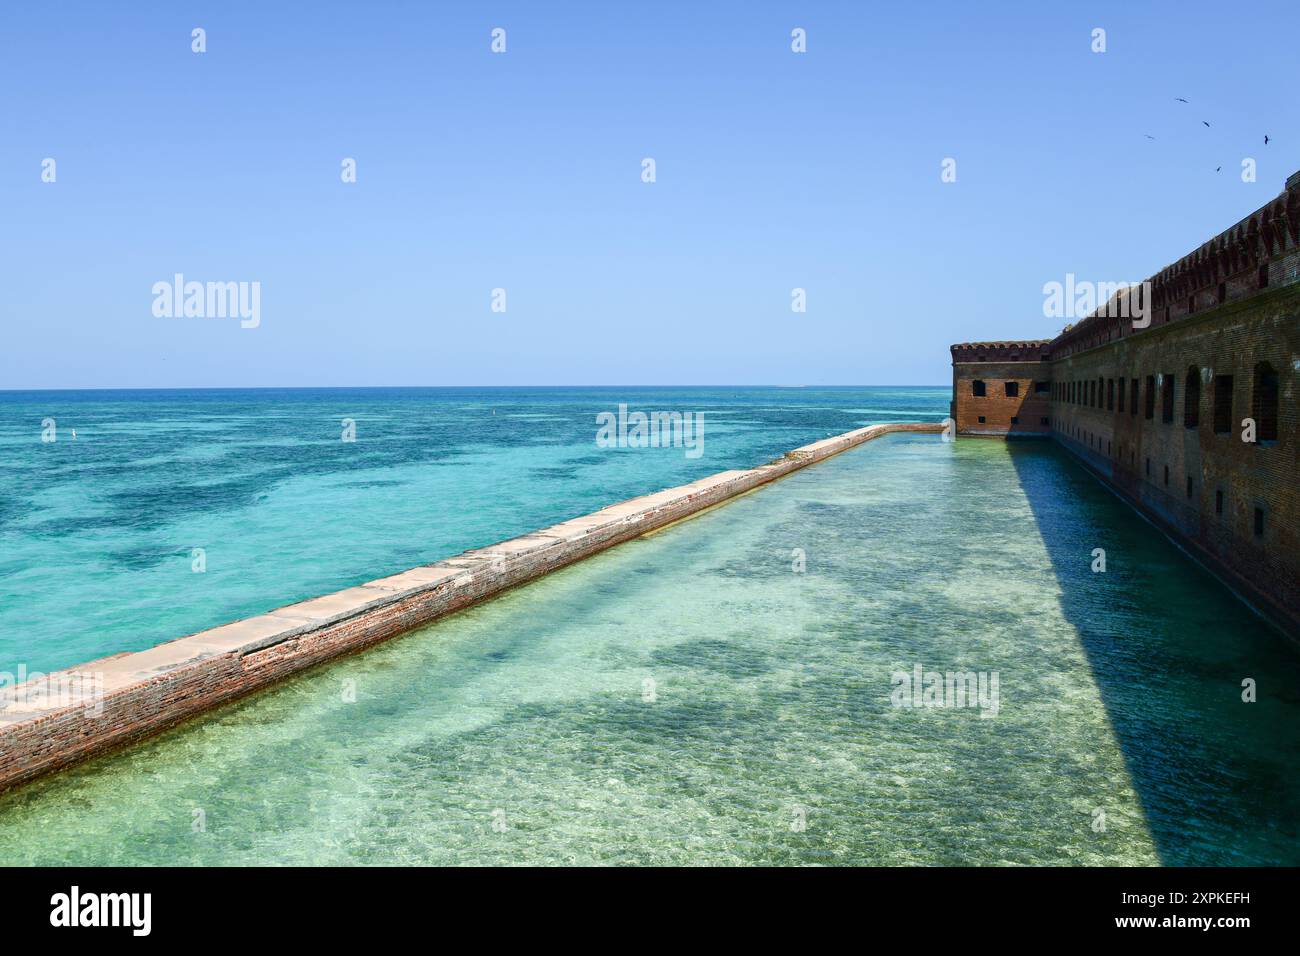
1133 399
1263 276
981 419
1120 396
1218 502
1166 476
1192 398
1259 521
1012 389
1263 402
1223 292
1167 398
1149 406
1042 387
1044 421
1101 392
1222 404
1015 420
1189 486
1110 394
977 388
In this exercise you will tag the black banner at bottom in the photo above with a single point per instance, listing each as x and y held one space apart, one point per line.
335 905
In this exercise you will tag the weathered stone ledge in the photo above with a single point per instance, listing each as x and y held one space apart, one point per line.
139 694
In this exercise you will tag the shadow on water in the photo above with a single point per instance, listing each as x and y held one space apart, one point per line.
1169 647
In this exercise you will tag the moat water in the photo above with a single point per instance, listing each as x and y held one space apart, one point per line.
692 698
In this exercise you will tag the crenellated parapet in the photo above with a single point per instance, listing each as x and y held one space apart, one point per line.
1259 252
1035 350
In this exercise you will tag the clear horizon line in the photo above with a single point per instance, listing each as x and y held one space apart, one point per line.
254 388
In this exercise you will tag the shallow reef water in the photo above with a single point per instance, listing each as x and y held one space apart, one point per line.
723 691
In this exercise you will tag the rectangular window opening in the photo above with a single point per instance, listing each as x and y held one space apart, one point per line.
1222 404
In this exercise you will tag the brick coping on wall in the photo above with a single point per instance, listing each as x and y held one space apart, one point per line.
121 699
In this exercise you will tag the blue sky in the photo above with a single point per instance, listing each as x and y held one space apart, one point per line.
522 171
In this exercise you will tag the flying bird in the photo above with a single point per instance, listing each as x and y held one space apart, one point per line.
1265 139
1180 99
1218 168
1203 121
1148 136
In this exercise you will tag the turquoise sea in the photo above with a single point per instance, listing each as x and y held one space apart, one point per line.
718 692
97 533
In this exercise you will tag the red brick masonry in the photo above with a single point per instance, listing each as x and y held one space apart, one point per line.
149 691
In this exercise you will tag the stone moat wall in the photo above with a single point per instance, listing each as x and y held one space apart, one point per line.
127 697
